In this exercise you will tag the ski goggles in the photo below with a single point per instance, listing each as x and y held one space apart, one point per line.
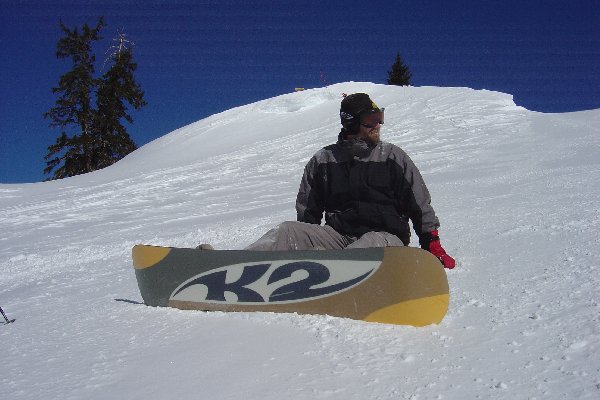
372 119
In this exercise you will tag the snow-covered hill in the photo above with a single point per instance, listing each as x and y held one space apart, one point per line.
516 192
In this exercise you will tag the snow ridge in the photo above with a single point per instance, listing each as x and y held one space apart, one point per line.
516 192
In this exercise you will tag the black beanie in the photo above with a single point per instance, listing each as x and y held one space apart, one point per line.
352 107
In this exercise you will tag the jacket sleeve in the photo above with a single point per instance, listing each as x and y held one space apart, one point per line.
309 202
414 196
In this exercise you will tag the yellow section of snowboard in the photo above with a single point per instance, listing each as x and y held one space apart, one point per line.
419 312
147 256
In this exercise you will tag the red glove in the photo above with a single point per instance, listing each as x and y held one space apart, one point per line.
431 242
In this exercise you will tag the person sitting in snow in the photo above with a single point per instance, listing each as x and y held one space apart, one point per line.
367 188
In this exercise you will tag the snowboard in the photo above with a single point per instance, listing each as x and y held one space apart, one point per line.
392 285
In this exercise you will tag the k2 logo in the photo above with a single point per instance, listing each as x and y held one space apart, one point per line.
274 282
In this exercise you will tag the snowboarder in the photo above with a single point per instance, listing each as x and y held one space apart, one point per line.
367 188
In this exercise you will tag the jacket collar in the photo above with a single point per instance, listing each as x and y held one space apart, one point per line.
356 147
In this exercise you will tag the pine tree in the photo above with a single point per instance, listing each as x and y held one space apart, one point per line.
117 87
399 75
73 109
92 136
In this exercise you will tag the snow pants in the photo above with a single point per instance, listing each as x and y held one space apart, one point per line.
292 235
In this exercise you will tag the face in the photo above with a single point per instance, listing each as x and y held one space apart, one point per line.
370 127
370 135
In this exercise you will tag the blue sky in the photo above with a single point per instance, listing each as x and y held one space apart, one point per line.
196 58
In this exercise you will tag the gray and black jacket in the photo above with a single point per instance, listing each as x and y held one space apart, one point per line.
363 188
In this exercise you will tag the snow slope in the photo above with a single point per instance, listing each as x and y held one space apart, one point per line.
517 194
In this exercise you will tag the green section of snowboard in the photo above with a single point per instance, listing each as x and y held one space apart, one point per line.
397 285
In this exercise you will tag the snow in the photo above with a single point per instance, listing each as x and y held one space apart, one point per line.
516 192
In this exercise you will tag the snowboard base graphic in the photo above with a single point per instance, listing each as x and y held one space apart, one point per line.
393 285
